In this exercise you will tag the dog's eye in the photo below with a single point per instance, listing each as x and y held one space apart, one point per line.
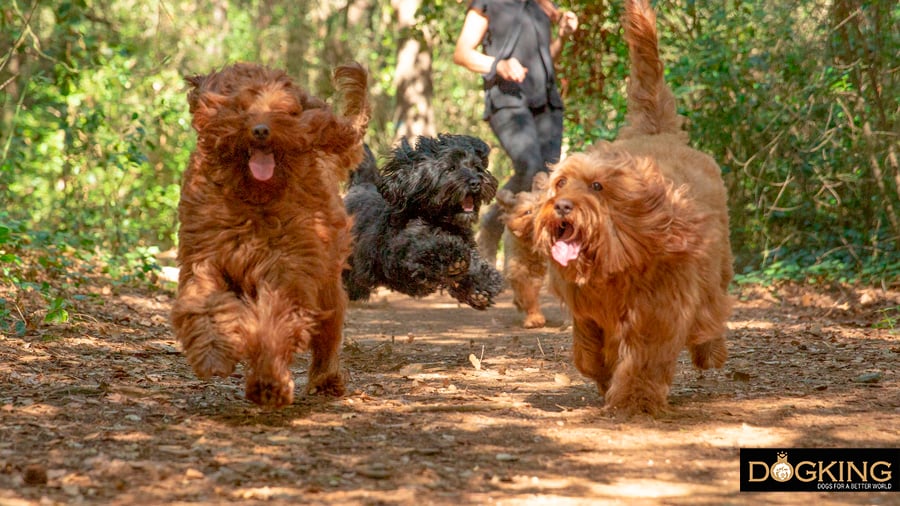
596 186
561 182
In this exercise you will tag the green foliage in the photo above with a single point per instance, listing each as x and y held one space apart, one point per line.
890 319
797 102
44 275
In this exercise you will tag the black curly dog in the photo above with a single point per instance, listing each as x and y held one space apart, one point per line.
412 222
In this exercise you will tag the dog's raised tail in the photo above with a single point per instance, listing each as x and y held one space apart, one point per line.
367 170
351 80
651 104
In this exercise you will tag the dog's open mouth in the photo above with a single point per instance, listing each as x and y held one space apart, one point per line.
468 203
262 164
566 248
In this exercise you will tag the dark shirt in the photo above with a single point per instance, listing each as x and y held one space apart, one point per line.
532 49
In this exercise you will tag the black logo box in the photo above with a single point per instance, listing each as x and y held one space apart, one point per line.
821 469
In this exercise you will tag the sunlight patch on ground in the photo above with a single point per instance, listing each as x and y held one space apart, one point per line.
38 410
647 489
129 436
748 436
625 490
750 324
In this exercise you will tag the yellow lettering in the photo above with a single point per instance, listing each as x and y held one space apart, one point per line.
852 467
826 470
810 474
884 475
761 464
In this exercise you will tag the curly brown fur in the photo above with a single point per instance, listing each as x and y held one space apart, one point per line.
638 233
524 266
263 233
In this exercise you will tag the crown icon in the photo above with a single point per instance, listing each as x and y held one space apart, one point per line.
782 469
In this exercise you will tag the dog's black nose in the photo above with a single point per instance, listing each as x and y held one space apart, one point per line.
563 207
474 184
261 131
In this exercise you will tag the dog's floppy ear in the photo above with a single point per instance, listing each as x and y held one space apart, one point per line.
506 199
397 179
340 134
482 150
670 213
203 104
539 182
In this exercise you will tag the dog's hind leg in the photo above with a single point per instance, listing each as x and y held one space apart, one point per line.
357 284
526 296
325 376
209 322
707 337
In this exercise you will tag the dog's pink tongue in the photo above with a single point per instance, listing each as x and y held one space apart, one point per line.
468 204
563 252
262 165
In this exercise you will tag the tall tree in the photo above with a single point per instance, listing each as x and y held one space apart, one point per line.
414 114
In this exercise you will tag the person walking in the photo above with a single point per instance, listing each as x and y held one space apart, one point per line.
522 101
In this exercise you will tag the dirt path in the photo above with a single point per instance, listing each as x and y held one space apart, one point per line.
105 410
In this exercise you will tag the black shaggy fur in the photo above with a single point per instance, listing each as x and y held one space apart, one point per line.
412 222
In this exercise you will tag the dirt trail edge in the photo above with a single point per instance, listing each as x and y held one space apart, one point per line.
447 405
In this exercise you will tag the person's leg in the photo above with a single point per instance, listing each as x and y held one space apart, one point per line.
518 135
549 124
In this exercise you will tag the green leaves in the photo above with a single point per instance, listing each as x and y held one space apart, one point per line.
794 100
56 312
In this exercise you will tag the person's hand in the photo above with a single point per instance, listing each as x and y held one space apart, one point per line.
568 23
511 69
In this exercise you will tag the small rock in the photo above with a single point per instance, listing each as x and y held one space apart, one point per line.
869 377
376 472
35 474
507 457
740 376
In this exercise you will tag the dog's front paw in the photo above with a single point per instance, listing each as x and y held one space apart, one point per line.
457 267
270 392
479 287
534 320
329 384
466 292
480 300
450 256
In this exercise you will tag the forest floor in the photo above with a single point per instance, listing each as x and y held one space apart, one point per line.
446 405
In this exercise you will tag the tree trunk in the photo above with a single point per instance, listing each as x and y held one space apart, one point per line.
414 114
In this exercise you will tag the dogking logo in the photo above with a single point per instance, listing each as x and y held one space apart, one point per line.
819 469
782 471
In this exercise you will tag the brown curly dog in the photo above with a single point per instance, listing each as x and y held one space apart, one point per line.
523 266
263 233
638 233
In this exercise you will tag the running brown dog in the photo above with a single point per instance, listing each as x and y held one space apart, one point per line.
638 233
263 233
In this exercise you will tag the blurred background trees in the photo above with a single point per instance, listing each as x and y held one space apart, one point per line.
797 101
